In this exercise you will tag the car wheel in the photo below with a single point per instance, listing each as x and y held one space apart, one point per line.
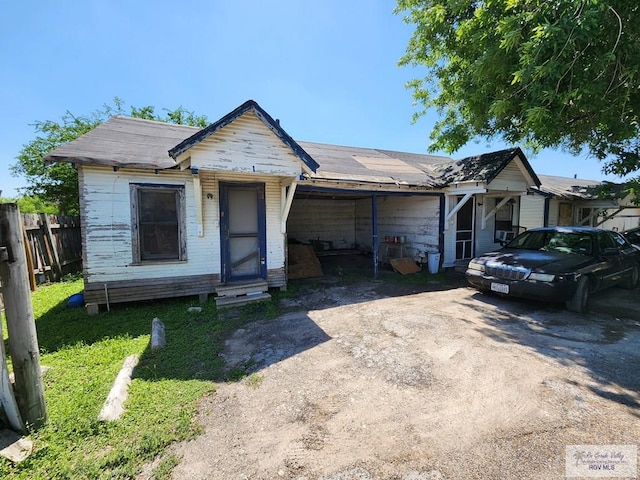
631 282
578 303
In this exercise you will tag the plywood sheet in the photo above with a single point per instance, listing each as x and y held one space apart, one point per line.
404 265
303 262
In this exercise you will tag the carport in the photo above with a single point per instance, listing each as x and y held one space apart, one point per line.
383 223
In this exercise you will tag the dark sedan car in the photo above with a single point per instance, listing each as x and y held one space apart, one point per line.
558 264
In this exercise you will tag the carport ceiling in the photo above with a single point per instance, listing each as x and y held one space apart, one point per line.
306 195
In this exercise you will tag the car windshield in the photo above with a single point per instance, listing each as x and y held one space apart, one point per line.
554 241
633 236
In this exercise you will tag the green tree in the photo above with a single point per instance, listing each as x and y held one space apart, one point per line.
563 73
58 183
32 205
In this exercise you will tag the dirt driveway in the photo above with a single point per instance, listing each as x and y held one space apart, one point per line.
371 381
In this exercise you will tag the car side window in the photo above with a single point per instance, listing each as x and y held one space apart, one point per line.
605 241
619 240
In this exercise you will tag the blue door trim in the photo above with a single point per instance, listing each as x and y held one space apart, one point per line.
225 254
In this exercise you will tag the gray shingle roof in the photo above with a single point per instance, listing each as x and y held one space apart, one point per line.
125 142
145 144
569 188
371 165
132 142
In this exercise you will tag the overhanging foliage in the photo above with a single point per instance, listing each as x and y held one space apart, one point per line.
533 72
58 183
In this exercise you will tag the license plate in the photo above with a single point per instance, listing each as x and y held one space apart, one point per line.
499 287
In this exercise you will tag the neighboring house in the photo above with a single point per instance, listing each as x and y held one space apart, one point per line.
561 201
169 210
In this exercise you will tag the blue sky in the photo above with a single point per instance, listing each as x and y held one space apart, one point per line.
328 69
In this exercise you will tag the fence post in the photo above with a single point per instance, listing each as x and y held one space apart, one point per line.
51 241
23 340
29 255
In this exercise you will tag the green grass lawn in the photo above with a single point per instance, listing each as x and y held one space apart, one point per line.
85 355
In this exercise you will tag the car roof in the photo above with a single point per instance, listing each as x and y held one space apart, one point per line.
567 229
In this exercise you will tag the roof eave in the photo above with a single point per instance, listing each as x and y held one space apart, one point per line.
103 162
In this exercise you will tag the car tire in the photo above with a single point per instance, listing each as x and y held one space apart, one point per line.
632 282
578 303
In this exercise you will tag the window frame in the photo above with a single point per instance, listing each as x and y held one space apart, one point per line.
499 222
136 242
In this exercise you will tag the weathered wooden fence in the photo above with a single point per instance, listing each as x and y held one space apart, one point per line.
53 246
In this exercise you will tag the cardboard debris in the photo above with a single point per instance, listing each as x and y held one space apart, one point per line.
303 262
404 265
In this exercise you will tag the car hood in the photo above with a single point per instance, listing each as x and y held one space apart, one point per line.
548 262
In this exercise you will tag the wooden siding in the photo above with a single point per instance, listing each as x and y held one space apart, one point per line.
364 227
323 219
107 239
509 179
531 211
347 223
449 256
245 146
625 220
134 290
485 239
277 277
276 239
554 212
107 228
417 218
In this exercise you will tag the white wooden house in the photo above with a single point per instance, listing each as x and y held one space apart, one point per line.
171 210
562 201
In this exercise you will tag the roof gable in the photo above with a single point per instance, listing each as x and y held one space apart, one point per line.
486 167
263 116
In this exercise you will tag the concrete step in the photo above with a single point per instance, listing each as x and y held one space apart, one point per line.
228 301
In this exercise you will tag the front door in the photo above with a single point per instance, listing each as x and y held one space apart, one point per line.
464 230
243 231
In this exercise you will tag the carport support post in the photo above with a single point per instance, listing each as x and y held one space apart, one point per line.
374 231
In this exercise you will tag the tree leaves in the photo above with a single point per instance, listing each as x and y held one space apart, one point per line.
563 73
58 183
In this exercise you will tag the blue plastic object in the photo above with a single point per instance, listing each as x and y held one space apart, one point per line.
76 301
